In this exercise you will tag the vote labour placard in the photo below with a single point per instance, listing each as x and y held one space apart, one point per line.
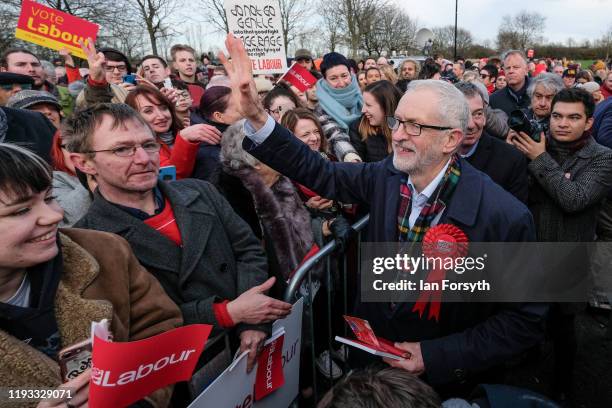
258 24
53 29
124 373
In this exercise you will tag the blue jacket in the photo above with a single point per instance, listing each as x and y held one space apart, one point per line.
470 338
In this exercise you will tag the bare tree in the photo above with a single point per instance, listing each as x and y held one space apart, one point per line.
330 16
522 31
154 16
444 40
294 15
214 14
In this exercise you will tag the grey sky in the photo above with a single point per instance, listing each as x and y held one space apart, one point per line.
579 19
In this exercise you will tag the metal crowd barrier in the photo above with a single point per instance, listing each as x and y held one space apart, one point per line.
305 273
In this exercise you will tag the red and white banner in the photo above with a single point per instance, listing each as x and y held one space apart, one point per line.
54 29
299 77
270 376
124 373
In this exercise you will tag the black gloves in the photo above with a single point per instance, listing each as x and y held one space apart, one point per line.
342 231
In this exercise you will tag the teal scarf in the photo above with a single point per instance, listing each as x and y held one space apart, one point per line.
343 105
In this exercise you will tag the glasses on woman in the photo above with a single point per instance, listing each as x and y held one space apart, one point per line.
128 151
410 127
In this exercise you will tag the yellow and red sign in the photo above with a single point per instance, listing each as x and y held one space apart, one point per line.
53 29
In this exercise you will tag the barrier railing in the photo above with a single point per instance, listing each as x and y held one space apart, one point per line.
305 273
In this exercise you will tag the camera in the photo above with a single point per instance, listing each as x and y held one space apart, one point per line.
519 122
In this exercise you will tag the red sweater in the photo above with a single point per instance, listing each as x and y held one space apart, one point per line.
182 156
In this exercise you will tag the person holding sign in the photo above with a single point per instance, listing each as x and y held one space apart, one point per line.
55 282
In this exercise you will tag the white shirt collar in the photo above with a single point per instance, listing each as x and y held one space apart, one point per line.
471 151
431 187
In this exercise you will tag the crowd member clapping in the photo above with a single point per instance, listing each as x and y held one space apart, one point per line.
179 144
184 233
370 134
56 282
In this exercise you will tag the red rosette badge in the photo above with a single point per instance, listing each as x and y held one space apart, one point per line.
443 241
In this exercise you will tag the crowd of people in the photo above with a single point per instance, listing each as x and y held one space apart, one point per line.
165 193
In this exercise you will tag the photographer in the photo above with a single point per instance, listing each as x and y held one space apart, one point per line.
542 89
571 175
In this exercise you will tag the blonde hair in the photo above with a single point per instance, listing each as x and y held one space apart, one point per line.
389 73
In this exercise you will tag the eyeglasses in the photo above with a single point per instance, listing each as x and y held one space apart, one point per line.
128 151
111 68
483 76
277 110
411 128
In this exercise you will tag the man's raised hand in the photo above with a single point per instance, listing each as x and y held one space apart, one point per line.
95 60
240 72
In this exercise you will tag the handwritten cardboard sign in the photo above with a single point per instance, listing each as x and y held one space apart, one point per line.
258 24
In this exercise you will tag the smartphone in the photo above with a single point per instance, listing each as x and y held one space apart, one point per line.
167 173
75 359
168 83
130 79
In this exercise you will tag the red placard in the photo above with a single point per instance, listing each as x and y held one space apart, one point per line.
299 77
123 373
270 375
53 29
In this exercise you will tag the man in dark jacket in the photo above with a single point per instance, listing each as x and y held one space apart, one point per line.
572 174
31 130
206 258
428 127
503 163
514 95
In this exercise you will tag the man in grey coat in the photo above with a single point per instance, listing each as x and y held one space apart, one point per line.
571 176
184 232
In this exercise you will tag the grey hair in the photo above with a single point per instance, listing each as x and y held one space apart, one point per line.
49 69
453 108
514 52
232 155
470 76
550 82
472 89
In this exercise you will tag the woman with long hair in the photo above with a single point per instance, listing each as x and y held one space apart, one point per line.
179 144
370 134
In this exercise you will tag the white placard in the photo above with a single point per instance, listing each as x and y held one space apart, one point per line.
258 24
292 345
234 388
